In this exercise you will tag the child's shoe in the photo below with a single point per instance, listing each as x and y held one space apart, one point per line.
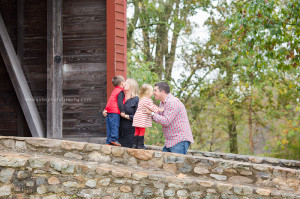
135 142
115 143
141 143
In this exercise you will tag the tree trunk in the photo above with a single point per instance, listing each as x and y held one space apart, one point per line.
233 147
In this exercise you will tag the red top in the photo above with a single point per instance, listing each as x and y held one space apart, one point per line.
112 103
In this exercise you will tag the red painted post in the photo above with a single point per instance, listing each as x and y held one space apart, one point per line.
116 41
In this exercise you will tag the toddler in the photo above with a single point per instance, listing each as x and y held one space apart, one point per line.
141 120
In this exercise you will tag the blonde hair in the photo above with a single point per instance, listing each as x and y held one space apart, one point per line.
146 89
134 87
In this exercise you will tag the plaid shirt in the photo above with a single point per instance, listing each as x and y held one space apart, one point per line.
174 121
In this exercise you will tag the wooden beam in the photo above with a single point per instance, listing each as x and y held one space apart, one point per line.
19 82
20 54
54 69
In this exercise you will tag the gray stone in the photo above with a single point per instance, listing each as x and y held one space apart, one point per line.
92 147
13 161
104 182
5 190
196 195
37 162
211 196
91 183
73 145
147 192
218 177
159 185
263 175
238 190
40 180
240 180
126 196
223 187
185 168
41 189
68 168
158 154
6 175
9 143
21 145
30 183
73 156
51 197
90 193
247 190
182 193
137 191
218 170
159 192
39 142
211 191
169 192
96 156
260 167
117 151
201 170
246 173
23 174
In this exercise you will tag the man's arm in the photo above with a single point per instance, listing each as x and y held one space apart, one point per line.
168 116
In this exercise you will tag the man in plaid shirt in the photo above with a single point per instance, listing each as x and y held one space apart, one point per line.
174 120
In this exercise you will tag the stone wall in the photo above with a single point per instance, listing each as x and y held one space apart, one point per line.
45 168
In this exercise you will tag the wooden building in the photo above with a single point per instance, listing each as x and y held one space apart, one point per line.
57 61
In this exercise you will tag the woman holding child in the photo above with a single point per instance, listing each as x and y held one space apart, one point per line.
126 130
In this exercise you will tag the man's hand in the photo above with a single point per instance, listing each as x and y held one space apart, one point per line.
148 111
104 113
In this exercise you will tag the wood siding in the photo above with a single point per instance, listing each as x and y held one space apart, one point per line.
11 115
84 70
94 50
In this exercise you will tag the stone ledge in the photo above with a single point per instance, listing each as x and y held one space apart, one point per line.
218 169
242 158
51 177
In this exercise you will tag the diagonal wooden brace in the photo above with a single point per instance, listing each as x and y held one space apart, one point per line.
20 84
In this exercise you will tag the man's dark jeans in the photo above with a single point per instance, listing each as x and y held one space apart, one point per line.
112 127
181 147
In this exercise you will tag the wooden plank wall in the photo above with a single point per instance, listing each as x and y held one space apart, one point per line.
11 115
84 72
35 53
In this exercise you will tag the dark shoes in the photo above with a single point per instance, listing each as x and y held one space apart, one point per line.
138 142
135 142
115 143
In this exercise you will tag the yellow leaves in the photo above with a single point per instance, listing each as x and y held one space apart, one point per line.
291 86
181 175
285 131
231 101
284 141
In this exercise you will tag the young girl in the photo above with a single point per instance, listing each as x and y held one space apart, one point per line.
141 119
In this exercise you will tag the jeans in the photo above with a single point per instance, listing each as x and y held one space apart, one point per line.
181 147
112 127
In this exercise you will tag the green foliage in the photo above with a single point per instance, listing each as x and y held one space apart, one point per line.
140 70
270 29
242 94
286 144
